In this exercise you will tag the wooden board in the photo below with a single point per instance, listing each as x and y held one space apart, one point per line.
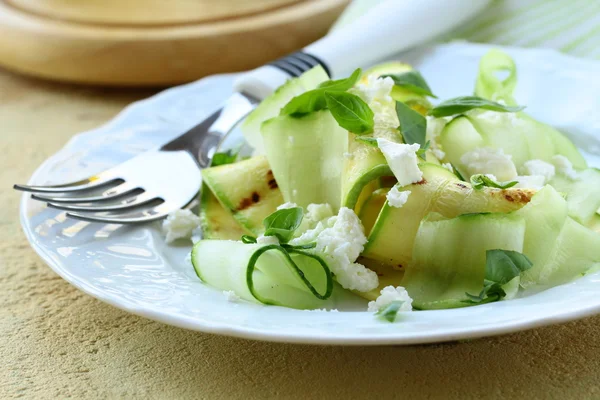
153 42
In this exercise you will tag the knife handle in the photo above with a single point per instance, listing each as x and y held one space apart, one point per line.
387 28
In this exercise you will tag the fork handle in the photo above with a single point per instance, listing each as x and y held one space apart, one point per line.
389 27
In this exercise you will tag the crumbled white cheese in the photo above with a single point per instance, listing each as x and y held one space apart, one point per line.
375 89
318 212
340 240
389 294
486 160
504 119
539 167
435 126
402 159
267 240
530 181
231 296
448 166
439 154
397 198
287 205
565 167
180 224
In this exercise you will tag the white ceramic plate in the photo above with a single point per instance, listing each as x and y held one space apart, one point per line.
133 269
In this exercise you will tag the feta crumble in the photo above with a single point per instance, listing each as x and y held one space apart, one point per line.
540 168
448 166
402 159
375 89
439 154
180 224
486 160
339 240
435 126
397 198
389 294
530 182
231 296
565 167
267 240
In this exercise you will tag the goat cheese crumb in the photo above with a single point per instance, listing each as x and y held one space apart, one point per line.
397 198
389 294
530 182
375 89
402 159
287 205
231 296
180 224
267 240
339 240
486 160
439 154
539 167
565 167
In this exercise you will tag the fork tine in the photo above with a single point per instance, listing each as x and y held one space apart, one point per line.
143 199
93 182
110 194
150 215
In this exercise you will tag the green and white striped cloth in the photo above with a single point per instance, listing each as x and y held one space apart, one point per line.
570 26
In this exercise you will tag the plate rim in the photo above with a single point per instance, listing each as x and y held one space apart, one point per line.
207 326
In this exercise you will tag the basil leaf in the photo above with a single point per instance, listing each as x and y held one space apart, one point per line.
479 181
350 112
247 239
342 84
371 141
390 311
459 105
313 100
457 173
283 223
412 81
421 152
413 125
501 267
227 157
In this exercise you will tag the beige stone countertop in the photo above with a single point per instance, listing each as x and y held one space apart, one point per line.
57 342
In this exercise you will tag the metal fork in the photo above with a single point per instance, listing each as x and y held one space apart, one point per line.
149 186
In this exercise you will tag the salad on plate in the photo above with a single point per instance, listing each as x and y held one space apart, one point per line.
370 184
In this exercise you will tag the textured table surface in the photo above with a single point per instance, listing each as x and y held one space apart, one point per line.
58 342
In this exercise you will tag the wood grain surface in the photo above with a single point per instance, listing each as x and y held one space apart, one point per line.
60 44
59 343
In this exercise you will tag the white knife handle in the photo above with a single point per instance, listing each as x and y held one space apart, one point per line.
389 27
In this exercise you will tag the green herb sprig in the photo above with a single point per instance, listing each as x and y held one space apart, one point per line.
501 267
412 81
479 181
462 104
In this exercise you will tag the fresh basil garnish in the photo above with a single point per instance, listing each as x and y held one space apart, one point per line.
283 223
390 311
413 125
350 112
342 84
462 104
421 153
314 100
371 141
223 158
501 267
248 239
479 181
412 81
